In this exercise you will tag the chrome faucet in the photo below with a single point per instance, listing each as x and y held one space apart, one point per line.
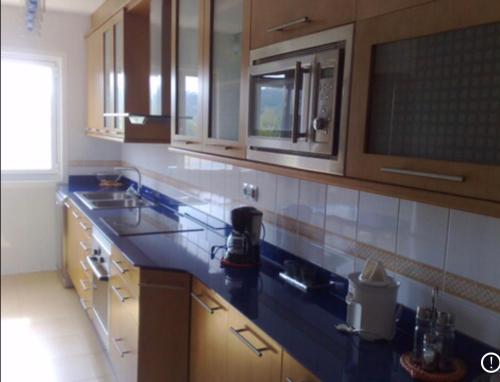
131 189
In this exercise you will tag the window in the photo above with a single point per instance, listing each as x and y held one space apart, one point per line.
30 116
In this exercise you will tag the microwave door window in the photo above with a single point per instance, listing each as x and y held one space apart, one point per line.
273 105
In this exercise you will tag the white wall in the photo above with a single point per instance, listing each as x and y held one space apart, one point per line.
28 240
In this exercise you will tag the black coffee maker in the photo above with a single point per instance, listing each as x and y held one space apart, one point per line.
243 244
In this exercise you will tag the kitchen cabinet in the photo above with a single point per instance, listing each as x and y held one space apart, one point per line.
209 314
210 67
293 371
280 20
424 106
118 78
149 322
79 243
252 356
371 8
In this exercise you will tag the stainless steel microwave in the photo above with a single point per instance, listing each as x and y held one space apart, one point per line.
299 93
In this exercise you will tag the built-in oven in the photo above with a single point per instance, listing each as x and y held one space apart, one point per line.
299 93
99 263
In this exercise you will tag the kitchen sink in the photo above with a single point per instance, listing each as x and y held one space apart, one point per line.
104 195
103 199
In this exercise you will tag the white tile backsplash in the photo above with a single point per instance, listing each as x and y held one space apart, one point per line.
287 196
458 242
342 211
312 199
378 218
474 247
422 232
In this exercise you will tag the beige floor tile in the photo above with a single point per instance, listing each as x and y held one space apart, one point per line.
46 336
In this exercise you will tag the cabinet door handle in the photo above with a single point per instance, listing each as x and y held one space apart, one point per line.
117 265
282 27
84 267
67 205
84 246
84 226
204 305
75 214
288 379
84 304
84 285
451 178
248 344
116 290
116 340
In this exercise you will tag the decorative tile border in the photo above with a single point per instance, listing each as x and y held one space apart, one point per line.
467 289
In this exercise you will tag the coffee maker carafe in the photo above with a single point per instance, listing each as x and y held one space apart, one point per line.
243 244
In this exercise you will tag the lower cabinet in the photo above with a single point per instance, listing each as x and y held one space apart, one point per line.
149 322
79 242
293 371
226 346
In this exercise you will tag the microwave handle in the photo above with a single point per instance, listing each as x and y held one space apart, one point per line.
296 101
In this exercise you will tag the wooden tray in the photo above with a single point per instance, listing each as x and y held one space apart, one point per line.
416 372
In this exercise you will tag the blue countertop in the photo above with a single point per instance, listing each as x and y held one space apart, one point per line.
303 323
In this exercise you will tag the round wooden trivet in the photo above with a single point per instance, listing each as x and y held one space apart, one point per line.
416 372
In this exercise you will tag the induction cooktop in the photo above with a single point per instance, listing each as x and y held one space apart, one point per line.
147 221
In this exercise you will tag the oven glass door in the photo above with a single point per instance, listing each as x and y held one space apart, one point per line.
279 106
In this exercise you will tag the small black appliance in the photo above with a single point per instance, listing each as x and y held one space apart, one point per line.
243 244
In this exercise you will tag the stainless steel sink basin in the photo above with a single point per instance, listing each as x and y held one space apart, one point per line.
103 199
104 195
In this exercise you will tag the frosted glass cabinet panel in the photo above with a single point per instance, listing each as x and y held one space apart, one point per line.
109 79
120 76
425 99
225 74
438 97
188 68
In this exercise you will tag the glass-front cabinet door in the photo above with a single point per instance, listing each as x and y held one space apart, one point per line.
188 85
224 65
109 79
119 77
425 109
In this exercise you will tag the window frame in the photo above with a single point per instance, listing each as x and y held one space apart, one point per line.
56 171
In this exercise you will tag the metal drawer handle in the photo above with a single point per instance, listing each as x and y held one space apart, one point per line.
84 304
117 265
84 285
248 344
84 227
84 246
84 267
451 178
118 294
75 214
282 27
67 205
204 305
117 346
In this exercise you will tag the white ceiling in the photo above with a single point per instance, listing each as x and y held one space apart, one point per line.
74 6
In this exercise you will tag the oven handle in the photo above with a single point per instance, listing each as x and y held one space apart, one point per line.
297 80
99 272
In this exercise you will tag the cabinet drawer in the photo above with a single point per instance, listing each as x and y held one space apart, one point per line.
293 371
84 226
127 272
123 345
122 298
280 20
252 355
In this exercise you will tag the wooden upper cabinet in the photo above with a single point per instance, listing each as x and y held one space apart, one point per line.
293 371
424 101
371 8
280 20
118 77
210 68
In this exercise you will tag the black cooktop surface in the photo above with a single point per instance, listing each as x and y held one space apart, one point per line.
146 221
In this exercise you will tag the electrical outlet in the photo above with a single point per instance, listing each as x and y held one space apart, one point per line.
250 191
